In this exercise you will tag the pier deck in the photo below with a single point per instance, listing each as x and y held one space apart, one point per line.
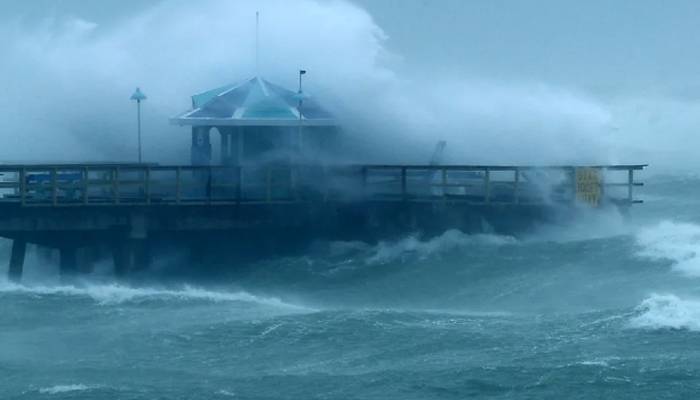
128 207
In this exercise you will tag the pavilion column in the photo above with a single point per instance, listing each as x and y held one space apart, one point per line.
236 146
201 145
225 150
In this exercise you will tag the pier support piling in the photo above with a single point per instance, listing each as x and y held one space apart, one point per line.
19 249
131 255
68 262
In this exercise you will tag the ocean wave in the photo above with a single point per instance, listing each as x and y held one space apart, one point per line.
413 246
677 242
58 389
589 224
667 312
109 294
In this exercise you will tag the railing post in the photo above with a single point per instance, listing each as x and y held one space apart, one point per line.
239 184
115 184
574 185
293 172
630 185
54 189
363 173
23 185
210 184
403 183
487 186
178 185
147 184
326 185
268 184
444 183
516 185
86 182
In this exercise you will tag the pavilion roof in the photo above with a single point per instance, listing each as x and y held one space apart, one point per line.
254 102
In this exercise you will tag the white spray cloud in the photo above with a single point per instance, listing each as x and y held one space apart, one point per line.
68 81
667 311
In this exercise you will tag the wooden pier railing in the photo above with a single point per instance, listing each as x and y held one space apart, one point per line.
149 184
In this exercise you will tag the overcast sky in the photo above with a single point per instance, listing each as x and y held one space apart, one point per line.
626 70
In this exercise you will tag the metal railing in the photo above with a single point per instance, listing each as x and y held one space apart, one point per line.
142 184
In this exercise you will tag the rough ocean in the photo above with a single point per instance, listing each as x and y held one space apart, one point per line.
608 307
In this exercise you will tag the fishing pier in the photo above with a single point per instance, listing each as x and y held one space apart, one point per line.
266 187
130 208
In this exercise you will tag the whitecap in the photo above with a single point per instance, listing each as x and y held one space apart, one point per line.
65 388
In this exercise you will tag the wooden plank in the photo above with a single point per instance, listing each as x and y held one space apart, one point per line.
626 184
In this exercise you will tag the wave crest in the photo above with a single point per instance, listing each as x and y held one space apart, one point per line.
412 246
58 389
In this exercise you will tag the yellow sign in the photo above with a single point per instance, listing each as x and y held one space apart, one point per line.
589 185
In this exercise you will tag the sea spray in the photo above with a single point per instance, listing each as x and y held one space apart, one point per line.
412 247
667 311
677 242
112 294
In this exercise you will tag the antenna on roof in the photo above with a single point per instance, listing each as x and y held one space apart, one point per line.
257 43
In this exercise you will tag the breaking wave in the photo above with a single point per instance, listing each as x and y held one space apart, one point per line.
110 294
667 311
677 242
413 247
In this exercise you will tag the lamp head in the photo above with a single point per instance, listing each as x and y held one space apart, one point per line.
138 95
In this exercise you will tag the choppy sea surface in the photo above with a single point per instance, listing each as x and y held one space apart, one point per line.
607 307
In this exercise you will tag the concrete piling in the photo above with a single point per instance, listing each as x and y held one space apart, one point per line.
130 255
68 262
19 249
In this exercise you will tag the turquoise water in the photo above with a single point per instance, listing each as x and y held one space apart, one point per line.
605 308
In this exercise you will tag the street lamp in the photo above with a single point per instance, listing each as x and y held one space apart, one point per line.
138 96
300 98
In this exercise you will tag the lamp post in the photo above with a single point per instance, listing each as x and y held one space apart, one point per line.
300 98
138 96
